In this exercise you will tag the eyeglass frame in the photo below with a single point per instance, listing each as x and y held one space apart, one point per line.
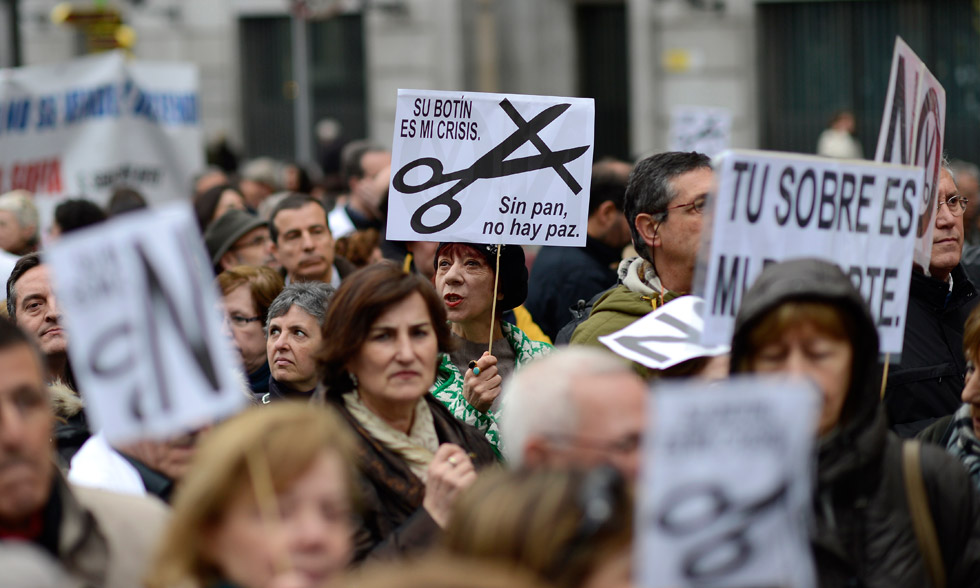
957 198
242 321
697 205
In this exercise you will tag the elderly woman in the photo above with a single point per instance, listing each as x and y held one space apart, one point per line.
382 338
470 378
294 340
248 292
804 317
959 433
267 502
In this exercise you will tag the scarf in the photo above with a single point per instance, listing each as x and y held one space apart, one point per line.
963 443
417 448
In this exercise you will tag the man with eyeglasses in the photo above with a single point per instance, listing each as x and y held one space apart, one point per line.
239 238
927 383
664 201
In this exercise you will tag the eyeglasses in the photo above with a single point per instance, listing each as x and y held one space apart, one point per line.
253 242
697 206
955 204
242 321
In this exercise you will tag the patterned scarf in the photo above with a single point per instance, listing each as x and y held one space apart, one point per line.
963 443
417 448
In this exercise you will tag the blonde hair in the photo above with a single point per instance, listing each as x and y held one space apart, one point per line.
442 570
289 435
537 520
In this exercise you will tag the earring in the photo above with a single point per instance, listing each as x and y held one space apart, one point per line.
353 380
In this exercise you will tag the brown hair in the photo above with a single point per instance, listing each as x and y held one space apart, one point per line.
971 335
441 570
825 317
289 435
537 520
363 297
263 283
359 246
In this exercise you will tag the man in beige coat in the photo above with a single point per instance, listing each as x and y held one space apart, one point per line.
99 538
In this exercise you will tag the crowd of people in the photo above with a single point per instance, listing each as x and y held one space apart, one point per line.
444 414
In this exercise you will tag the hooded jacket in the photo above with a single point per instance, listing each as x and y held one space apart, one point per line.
862 533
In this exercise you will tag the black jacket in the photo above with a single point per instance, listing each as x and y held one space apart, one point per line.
928 381
562 276
862 533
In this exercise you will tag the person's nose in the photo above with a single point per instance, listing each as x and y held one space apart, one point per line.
280 341
796 364
403 348
944 217
307 241
53 312
11 426
971 390
454 275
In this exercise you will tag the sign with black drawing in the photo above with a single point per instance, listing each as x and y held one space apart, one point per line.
146 340
490 168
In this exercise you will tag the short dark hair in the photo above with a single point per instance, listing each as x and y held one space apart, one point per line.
608 183
125 199
650 189
353 156
207 203
294 201
77 213
23 265
363 297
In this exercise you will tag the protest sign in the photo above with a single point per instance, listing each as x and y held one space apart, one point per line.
146 341
490 168
776 206
913 127
702 129
726 485
666 337
86 126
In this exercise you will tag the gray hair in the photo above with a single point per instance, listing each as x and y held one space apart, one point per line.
537 399
959 168
311 297
21 204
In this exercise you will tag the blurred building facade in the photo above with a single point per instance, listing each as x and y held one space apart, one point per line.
781 67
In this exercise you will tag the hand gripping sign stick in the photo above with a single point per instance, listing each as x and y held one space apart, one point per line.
493 311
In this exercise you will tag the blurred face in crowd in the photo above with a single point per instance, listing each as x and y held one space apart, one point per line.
253 248
230 200
971 394
423 254
13 237
313 534
397 363
465 282
293 343
171 457
611 409
805 350
947 238
25 435
246 327
37 310
304 246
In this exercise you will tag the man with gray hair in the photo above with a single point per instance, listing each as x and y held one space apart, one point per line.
293 339
664 202
18 223
577 407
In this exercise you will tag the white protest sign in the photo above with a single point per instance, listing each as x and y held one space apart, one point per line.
665 337
776 206
86 126
491 168
700 128
726 485
146 340
913 128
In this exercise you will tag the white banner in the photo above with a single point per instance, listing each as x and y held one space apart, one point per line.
83 127
665 337
144 323
700 128
491 168
726 485
913 128
777 206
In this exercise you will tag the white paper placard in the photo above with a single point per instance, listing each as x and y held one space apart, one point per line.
726 481
913 130
776 206
665 337
490 168
700 128
144 323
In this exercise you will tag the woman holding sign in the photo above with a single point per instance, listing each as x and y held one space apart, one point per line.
883 515
475 296
383 335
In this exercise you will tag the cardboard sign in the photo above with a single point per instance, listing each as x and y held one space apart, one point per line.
776 206
91 124
666 337
726 485
144 324
702 129
491 168
913 128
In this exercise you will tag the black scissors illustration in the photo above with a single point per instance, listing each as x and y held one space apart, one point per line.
493 164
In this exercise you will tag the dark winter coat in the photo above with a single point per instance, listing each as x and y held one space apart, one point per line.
862 533
928 381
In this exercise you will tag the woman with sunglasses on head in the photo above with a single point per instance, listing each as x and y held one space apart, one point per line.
470 378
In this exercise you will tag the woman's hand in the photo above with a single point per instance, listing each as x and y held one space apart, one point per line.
481 390
450 472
